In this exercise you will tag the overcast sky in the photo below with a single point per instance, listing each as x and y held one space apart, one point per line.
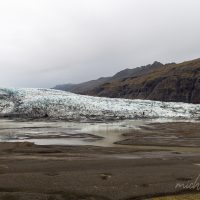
47 42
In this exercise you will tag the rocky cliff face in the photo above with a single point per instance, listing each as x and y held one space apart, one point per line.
172 82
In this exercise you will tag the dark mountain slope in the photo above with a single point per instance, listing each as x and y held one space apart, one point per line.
171 82
81 88
137 71
85 87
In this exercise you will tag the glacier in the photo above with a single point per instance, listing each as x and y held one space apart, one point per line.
49 103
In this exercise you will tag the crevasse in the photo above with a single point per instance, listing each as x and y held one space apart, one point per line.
39 103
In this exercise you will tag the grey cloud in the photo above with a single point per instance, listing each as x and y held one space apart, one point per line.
47 42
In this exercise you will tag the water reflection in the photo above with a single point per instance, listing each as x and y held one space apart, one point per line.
66 133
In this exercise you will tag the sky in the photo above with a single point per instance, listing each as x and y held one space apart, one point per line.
48 42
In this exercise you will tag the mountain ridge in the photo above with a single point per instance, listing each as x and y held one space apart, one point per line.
162 82
84 87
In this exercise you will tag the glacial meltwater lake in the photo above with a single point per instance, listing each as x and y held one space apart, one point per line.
66 133
69 133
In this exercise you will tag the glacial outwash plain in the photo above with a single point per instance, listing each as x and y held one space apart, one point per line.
56 145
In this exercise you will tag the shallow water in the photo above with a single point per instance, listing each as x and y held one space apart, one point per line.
69 133
66 133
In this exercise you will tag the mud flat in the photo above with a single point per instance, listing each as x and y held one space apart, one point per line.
145 169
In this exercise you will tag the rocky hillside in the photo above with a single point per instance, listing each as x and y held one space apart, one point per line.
85 87
169 82
172 82
82 87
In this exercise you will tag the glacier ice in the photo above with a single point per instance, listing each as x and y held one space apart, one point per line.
39 103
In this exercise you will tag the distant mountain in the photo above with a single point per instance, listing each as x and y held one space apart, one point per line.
172 82
137 71
169 82
86 87
82 87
